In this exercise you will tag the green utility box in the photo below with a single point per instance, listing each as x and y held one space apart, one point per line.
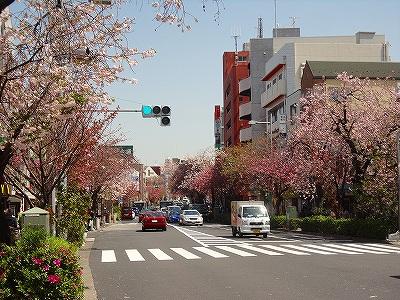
291 212
36 217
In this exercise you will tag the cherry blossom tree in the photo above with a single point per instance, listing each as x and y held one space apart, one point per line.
348 139
42 164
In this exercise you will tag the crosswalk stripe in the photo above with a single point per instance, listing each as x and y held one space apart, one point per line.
186 254
235 251
159 254
375 248
108 256
384 246
284 250
330 249
134 255
210 252
264 251
353 249
310 250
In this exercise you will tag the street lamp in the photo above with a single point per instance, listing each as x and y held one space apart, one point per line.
254 122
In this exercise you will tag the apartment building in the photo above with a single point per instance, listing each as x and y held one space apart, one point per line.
284 71
235 68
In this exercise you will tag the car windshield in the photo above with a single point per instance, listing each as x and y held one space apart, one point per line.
254 211
191 212
174 209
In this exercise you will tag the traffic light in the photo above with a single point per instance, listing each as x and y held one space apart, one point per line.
147 111
165 116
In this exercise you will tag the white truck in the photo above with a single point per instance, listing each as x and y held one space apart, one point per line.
249 217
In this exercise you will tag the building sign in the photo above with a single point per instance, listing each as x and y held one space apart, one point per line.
217 126
5 190
127 149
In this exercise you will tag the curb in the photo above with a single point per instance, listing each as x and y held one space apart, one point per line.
84 253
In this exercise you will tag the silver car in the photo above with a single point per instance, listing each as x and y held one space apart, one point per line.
191 217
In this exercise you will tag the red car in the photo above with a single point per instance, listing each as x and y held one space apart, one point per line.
126 213
154 220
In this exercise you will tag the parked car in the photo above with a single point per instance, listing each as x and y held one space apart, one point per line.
203 208
191 217
154 220
126 213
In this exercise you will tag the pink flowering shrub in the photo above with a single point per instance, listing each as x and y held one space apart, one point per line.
40 266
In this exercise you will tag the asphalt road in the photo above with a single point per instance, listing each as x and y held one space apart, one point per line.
207 263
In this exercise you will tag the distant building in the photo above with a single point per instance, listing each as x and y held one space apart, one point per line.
235 68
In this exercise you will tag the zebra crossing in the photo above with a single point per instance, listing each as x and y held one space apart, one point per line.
246 250
205 239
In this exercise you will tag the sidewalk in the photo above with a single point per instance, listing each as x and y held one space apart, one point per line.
84 253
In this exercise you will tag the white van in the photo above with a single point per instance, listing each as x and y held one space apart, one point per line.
249 217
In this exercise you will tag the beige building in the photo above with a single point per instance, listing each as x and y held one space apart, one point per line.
283 72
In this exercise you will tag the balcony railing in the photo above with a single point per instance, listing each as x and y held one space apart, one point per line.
245 111
245 86
275 91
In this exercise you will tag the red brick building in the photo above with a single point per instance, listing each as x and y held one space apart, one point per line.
234 70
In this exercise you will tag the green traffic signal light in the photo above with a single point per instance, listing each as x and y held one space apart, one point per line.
147 111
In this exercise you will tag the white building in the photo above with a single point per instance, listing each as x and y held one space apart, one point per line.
275 103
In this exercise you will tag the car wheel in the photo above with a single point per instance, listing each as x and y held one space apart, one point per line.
164 229
143 229
239 233
265 235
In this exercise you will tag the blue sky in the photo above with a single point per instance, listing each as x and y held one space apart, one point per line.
187 70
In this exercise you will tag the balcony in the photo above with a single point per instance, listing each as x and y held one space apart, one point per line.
245 111
245 86
245 134
277 90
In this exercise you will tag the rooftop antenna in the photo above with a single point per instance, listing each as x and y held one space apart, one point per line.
293 20
260 29
236 35
275 18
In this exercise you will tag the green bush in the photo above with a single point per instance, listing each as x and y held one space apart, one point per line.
295 223
368 228
278 222
40 267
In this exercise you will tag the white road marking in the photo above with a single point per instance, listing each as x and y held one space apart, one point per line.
210 252
264 251
90 239
188 235
235 251
284 250
384 246
186 254
330 249
159 254
353 249
310 250
375 248
134 255
108 256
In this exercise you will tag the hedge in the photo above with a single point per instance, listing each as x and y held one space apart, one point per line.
367 228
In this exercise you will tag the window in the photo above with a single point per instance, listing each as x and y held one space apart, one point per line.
274 115
242 58
268 86
148 172
227 91
274 81
228 108
280 76
228 125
